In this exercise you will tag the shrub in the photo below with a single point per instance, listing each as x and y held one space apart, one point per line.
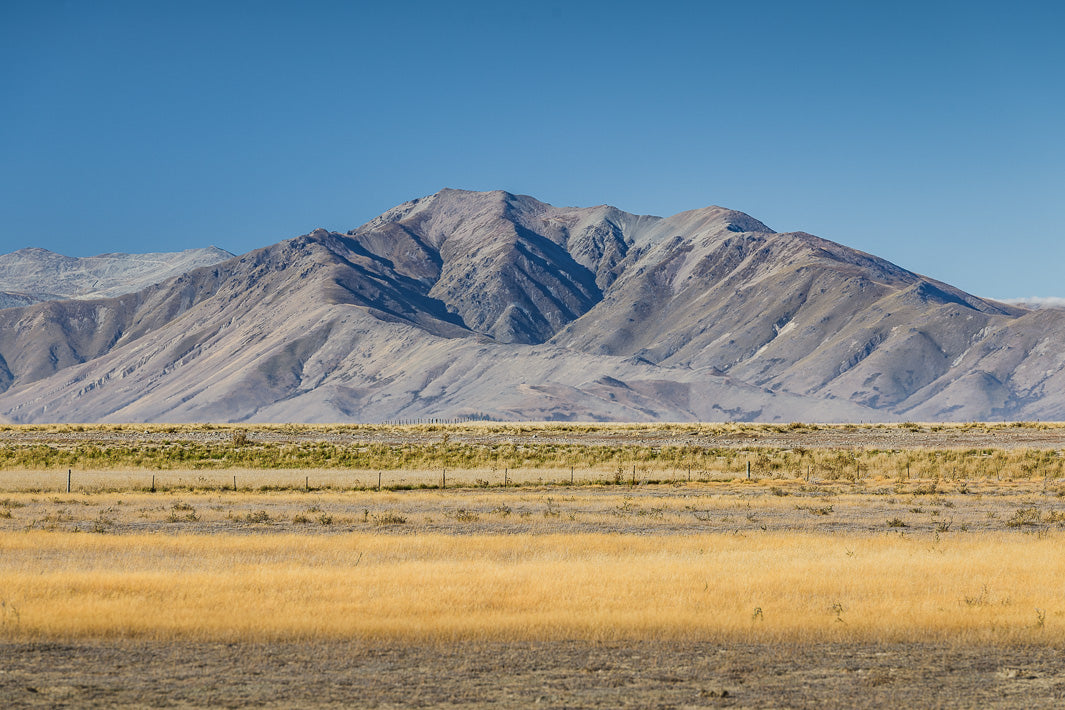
389 519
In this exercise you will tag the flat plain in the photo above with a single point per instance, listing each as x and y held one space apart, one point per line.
559 565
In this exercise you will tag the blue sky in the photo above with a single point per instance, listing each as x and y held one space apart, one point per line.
929 133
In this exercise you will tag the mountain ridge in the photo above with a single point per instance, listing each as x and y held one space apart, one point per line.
493 304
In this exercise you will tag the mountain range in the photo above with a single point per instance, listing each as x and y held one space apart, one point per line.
493 305
33 275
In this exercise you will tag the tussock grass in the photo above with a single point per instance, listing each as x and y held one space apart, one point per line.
358 466
789 587
488 453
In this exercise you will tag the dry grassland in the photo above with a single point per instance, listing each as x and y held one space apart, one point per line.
751 561
488 452
898 556
779 587
737 507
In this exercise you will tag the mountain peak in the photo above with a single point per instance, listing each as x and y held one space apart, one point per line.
719 217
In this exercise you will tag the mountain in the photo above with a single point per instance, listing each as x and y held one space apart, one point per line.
33 275
498 305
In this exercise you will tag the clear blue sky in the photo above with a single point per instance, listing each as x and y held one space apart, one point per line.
929 133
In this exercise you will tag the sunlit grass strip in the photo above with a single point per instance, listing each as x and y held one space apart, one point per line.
519 427
611 463
787 587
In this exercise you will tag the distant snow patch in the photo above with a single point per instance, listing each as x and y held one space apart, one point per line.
1036 302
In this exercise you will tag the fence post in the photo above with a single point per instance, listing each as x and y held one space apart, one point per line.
68 480
748 470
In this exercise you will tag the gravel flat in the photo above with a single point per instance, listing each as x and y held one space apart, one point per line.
567 674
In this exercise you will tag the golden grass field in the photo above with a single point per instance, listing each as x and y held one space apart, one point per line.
778 587
751 561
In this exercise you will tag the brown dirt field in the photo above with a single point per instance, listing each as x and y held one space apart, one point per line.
567 674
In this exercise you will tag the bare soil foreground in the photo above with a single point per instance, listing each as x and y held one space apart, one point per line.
553 565
644 674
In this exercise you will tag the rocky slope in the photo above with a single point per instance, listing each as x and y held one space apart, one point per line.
463 304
